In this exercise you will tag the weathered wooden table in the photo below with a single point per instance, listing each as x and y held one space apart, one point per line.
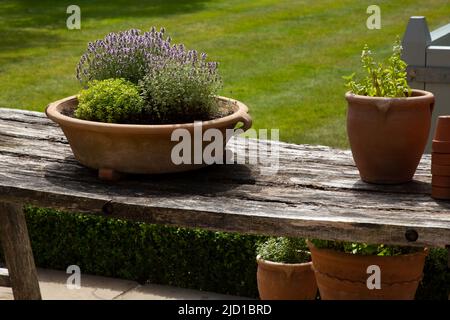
316 193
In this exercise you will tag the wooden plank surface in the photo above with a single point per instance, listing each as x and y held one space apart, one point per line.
315 193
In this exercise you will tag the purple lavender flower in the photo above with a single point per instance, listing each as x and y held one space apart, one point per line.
132 55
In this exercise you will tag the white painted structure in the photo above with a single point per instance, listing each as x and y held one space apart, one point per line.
428 57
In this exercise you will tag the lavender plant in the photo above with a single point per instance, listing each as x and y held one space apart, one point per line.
128 55
181 92
177 85
381 79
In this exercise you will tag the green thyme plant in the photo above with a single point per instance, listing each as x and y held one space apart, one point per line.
364 248
284 250
386 79
110 100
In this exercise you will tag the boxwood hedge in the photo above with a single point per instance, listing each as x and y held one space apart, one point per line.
191 258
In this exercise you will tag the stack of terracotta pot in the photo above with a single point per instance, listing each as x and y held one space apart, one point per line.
440 160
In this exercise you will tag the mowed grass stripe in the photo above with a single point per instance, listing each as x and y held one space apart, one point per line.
284 59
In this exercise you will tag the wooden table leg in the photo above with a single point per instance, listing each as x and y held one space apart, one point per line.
448 263
17 252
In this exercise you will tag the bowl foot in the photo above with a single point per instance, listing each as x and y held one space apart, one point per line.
109 174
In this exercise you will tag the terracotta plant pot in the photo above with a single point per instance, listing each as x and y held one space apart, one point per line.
442 132
388 135
343 276
440 181
441 193
282 281
133 148
440 170
442 159
440 146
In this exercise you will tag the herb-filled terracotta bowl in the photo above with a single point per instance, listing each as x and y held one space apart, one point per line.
130 148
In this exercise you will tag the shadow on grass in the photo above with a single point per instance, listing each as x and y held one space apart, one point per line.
28 23
45 14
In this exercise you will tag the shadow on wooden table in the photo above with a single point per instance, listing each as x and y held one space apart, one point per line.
208 181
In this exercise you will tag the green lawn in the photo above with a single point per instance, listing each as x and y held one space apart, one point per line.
284 59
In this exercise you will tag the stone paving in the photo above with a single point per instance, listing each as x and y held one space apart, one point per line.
53 287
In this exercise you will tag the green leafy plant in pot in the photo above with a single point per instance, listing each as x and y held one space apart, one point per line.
285 270
387 122
359 271
138 89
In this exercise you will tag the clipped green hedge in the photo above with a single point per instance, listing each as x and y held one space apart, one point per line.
211 261
189 258
436 280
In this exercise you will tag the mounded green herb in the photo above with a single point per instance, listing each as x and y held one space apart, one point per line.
364 248
110 100
386 79
284 250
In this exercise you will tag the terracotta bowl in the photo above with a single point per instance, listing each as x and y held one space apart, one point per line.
442 132
440 146
136 148
440 193
440 170
440 181
440 158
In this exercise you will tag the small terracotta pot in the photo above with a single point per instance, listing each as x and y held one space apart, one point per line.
133 148
440 193
343 276
442 132
440 181
440 170
440 158
283 281
388 135
440 146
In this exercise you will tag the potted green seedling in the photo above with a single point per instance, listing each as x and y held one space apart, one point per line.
356 271
387 122
285 270
141 97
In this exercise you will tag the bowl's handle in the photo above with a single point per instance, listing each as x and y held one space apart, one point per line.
245 118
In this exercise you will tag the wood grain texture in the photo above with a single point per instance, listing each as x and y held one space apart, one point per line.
18 254
315 193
